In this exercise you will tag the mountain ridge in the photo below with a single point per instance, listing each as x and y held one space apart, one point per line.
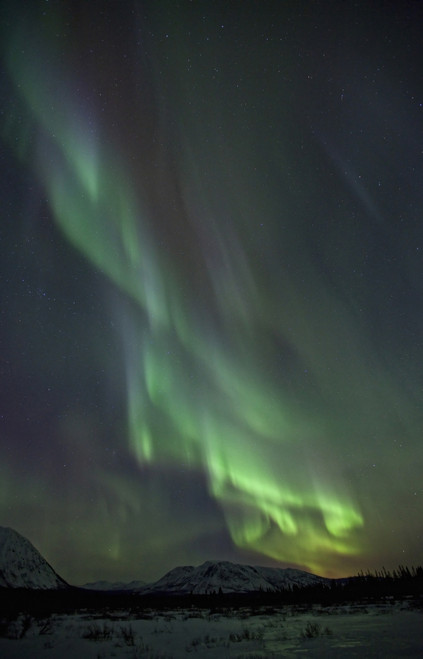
109 586
227 577
22 565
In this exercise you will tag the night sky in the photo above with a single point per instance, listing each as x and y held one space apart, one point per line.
211 281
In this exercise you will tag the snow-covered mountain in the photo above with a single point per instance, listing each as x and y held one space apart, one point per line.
226 577
22 566
114 585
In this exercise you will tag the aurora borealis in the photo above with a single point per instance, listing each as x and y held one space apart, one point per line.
211 284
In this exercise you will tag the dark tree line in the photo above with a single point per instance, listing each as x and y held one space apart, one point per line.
381 584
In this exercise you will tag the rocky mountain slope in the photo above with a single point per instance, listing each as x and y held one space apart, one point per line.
226 577
22 566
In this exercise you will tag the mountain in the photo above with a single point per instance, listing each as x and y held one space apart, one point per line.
22 566
114 585
226 577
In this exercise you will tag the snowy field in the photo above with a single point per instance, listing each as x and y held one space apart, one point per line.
384 630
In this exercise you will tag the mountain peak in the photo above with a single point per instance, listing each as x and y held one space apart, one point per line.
22 566
227 577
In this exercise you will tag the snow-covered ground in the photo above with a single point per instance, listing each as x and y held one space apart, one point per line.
384 630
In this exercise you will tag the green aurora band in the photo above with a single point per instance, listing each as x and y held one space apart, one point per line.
202 393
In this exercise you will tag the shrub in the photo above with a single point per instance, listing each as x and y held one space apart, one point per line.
128 635
247 635
16 629
98 632
313 630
